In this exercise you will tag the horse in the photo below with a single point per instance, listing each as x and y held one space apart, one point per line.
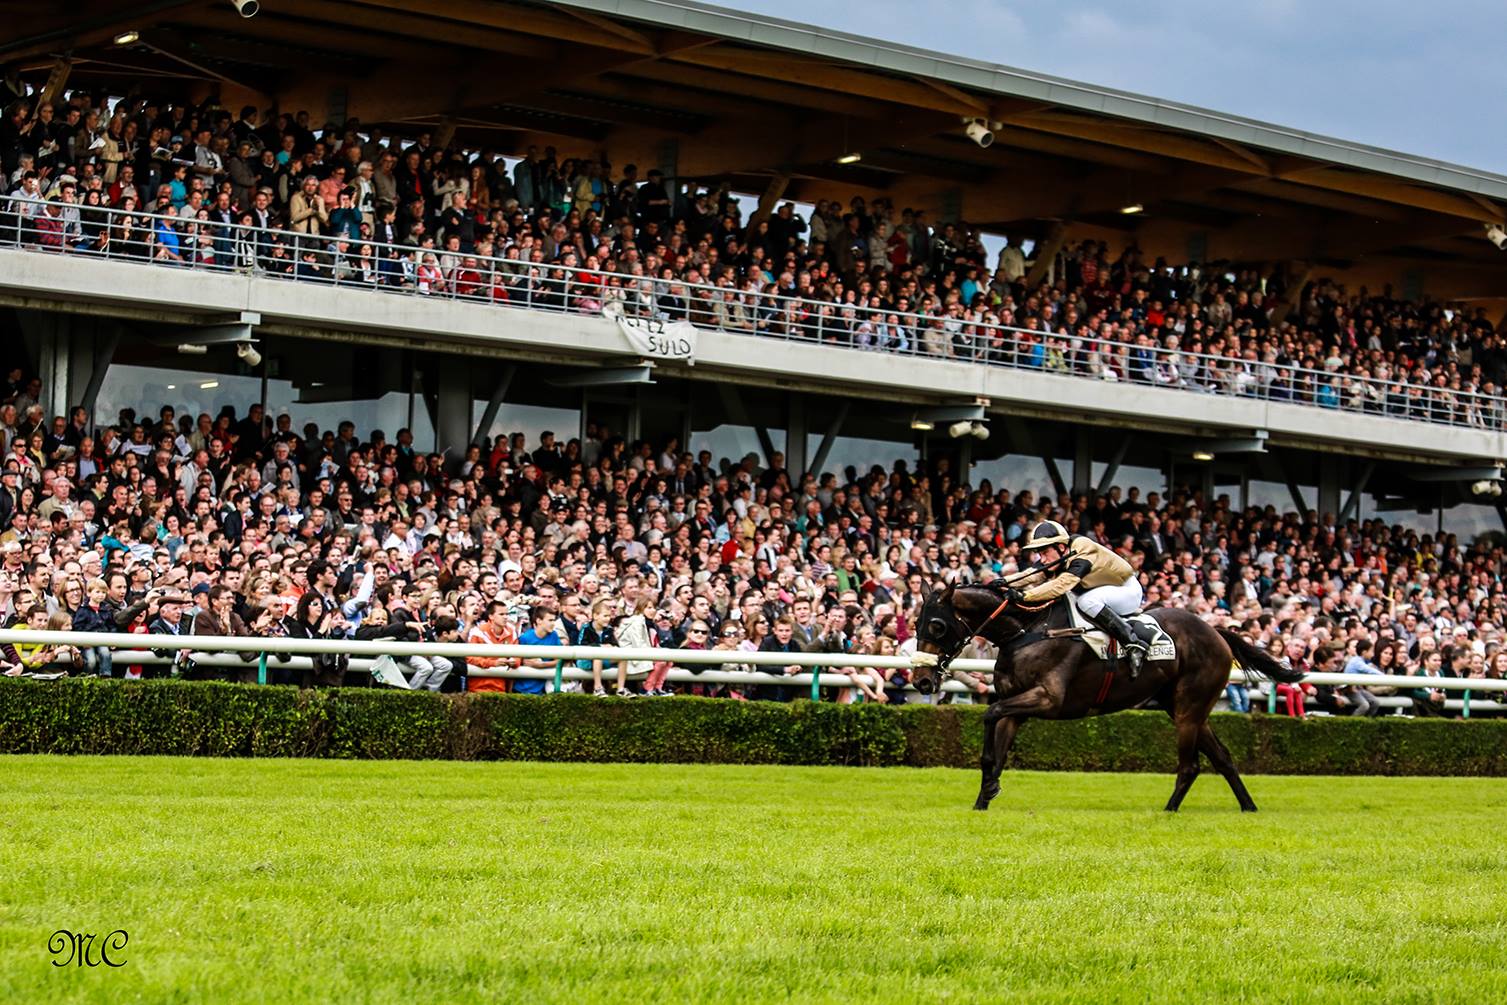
1045 671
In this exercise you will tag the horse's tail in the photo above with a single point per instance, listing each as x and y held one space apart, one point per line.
1251 658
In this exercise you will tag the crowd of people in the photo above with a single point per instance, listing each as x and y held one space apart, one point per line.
200 186
251 525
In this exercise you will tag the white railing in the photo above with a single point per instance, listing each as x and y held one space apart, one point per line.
205 650
210 650
752 309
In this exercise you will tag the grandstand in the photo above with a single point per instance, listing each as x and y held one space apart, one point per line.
759 250
695 92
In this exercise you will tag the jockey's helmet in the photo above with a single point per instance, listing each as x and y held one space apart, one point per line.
1045 534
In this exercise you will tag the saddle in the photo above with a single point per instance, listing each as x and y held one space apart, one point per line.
1159 645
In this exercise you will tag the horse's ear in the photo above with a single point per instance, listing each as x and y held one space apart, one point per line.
947 593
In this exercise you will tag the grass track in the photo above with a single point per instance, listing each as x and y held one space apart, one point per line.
418 882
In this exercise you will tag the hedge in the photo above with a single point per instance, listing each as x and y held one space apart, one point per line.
89 716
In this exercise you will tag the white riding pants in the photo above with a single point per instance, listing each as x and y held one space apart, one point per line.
1124 599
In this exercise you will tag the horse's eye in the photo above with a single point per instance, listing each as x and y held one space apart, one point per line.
936 628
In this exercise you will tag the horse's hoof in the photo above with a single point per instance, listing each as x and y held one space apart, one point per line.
1247 809
981 806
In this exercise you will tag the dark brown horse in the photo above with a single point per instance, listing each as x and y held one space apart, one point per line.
1044 672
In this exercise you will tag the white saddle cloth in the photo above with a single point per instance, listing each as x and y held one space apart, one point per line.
1160 648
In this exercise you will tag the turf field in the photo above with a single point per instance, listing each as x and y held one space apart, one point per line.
243 881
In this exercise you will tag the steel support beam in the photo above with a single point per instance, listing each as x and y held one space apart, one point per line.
494 405
773 193
57 80
1046 254
1107 480
104 354
607 377
1459 474
1292 486
829 437
1352 504
1024 441
732 401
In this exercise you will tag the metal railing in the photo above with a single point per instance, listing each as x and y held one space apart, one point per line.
210 650
753 309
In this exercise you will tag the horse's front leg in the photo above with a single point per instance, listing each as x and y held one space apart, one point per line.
1001 722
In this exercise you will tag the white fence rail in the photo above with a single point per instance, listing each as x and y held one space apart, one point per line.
219 651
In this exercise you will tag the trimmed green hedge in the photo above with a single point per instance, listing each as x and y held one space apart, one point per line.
229 720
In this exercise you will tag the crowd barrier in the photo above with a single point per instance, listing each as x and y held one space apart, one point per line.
219 651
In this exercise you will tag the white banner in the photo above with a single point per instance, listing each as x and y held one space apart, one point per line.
656 339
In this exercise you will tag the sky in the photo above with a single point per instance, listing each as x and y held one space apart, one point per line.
1421 78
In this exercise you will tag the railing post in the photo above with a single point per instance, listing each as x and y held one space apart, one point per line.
816 685
1271 697
1465 704
261 668
559 675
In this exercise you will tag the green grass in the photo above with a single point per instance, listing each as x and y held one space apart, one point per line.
418 882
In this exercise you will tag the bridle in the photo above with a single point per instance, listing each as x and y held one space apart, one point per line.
965 632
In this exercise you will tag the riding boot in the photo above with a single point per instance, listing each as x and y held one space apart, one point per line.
1119 630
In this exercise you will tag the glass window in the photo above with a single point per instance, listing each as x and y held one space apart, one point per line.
145 389
530 420
733 443
860 453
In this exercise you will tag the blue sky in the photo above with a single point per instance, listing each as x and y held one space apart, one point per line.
1422 78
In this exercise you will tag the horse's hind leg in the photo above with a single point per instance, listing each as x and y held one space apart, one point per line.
1219 756
997 743
1187 761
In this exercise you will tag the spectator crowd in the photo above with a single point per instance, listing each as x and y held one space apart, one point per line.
204 187
251 525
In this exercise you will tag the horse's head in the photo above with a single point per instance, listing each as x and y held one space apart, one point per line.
941 633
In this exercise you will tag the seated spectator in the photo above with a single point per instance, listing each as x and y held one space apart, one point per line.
541 632
598 631
495 629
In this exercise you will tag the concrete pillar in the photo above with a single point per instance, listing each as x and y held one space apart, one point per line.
1332 475
452 426
795 437
55 362
72 353
1083 462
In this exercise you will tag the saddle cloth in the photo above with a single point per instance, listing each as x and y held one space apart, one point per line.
1159 644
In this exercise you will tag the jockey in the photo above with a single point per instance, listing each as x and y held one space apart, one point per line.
1107 586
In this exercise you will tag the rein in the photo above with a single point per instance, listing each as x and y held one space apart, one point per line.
1017 640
